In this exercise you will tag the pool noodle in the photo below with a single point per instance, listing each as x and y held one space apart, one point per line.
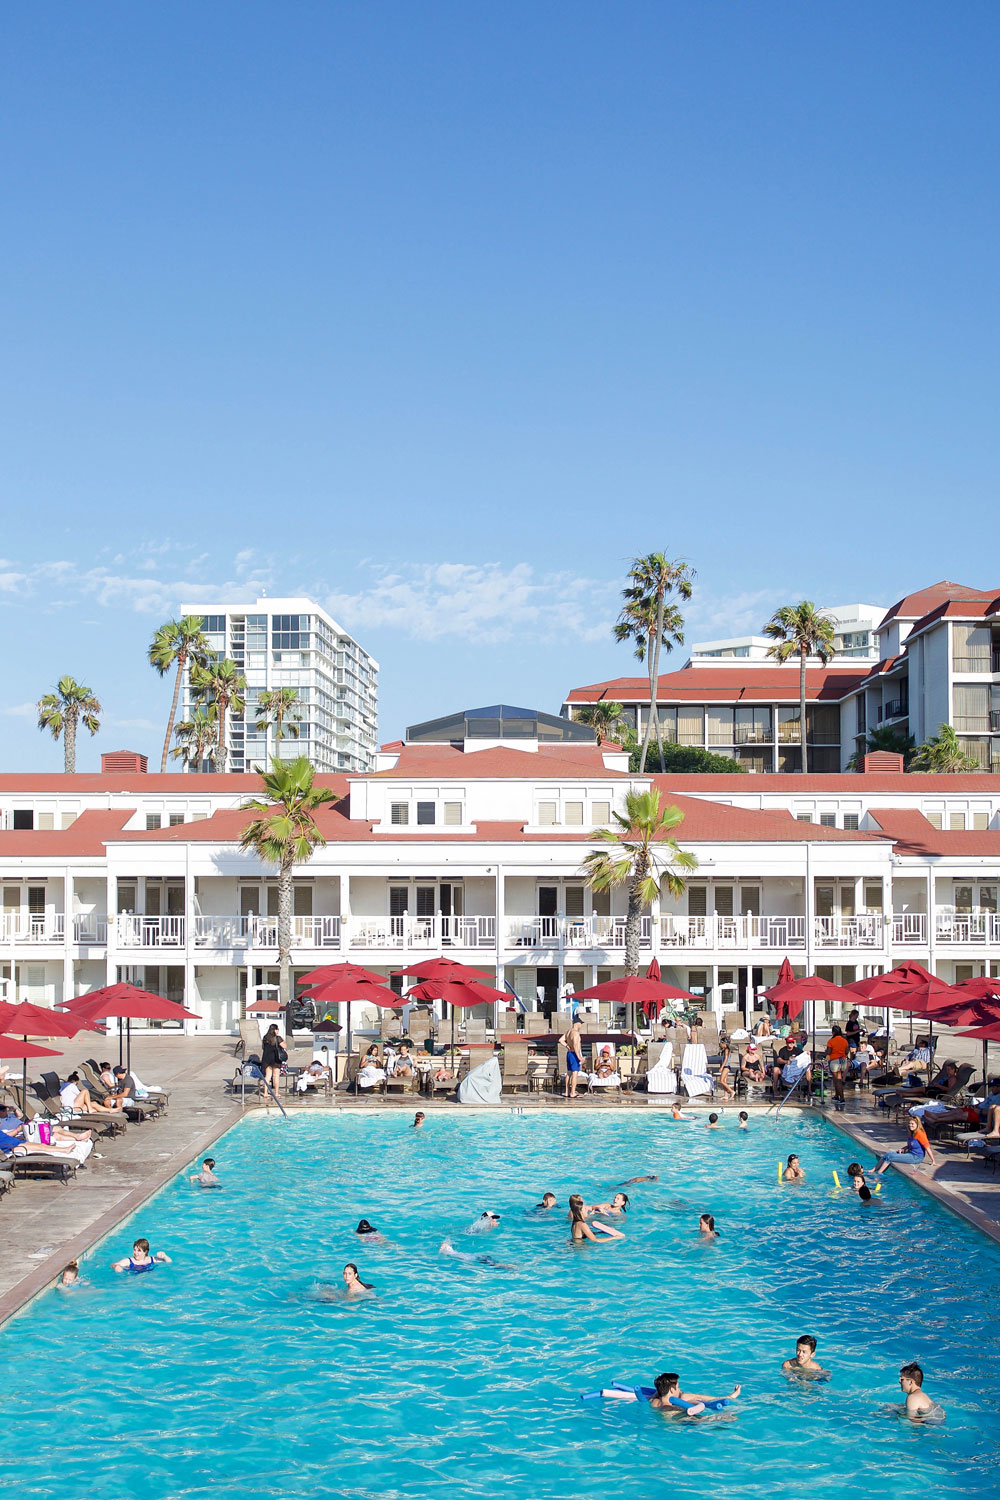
781 1171
836 1179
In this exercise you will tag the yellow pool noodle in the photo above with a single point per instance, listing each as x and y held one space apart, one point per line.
836 1179
781 1171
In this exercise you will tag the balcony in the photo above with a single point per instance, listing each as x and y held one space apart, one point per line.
91 929
896 708
429 934
582 933
732 933
864 931
27 927
909 929
133 931
967 928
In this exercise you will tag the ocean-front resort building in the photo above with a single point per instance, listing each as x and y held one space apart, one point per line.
467 838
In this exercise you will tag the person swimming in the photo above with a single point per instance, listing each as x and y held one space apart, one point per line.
140 1260
617 1206
70 1274
919 1407
487 1220
707 1229
670 1398
803 1362
793 1170
713 1122
468 1259
581 1230
353 1285
370 1234
206 1178
743 1119
549 1202
676 1113
418 1120
856 1175
631 1181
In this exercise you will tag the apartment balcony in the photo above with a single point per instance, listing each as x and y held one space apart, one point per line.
864 931
736 933
91 930
967 928
420 934
896 708
582 933
228 932
25 927
135 931
909 929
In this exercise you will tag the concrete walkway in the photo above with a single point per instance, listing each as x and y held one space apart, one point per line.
44 1223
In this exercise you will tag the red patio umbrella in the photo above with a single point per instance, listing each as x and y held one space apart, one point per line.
329 973
983 988
458 992
127 1002
26 1020
346 991
12 1047
441 970
632 990
786 975
990 1032
798 991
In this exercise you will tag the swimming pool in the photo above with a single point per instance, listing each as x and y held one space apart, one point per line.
226 1374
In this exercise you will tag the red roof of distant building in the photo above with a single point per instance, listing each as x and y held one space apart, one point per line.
190 784
504 762
923 601
749 684
781 783
912 834
86 836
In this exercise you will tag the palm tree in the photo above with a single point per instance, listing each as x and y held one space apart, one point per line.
285 835
650 622
892 741
804 629
177 643
60 713
943 753
220 683
643 853
278 706
196 737
605 719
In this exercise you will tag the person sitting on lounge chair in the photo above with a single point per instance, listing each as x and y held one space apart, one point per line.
605 1074
313 1077
77 1099
402 1065
752 1065
371 1074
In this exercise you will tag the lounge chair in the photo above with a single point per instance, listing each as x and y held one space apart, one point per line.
249 1038
515 1066
47 1109
136 1112
695 1076
661 1077
31 1160
475 1032
394 1084
612 1083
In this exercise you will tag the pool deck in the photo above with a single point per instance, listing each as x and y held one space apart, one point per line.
43 1223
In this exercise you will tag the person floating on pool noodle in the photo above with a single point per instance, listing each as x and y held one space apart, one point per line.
670 1398
140 1260
919 1406
803 1362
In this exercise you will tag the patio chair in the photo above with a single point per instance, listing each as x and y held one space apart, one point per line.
607 1085
248 1041
420 1027
561 1022
661 1077
394 1084
136 1111
541 1074
475 1032
32 1161
515 1066
695 1076
390 1026
535 1023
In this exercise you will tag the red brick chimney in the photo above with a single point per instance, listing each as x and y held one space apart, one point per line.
124 763
882 760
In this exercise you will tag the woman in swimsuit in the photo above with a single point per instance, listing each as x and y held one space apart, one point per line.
723 1077
617 1206
706 1228
793 1171
581 1230
353 1285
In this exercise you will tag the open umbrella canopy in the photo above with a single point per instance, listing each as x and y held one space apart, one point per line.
458 992
881 988
328 973
14 1046
634 990
37 1020
128 1001
919 999
951 1012
990 1032
440 970
362 990
796 992
978 989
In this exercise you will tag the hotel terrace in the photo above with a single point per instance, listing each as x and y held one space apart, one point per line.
938 663
467 838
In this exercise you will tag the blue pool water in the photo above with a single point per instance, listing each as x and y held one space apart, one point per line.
227 1374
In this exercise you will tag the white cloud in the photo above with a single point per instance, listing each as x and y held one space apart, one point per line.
21 710
485 603
717 616
131 581
146 724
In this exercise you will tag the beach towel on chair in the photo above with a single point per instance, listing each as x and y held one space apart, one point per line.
662 1078
694 1071
481 1085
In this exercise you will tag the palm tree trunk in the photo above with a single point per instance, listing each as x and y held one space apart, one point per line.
220 757
652 708
173 711
654 686
285 872
802 706
633 927
69 741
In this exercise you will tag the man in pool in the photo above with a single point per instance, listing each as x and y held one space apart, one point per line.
804 1361
670 1398
206 1178
713 1122
919 1406
629 1181
140 1260
487 1220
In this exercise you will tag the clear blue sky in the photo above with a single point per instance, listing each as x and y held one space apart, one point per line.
440 312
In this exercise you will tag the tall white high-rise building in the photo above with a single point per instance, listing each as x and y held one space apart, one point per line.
294 643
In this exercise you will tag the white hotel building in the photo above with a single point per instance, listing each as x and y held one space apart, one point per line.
468 838
294 643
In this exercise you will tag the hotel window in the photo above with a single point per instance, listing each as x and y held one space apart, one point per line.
668 724
956 822
153 820
803 817
425 813
573 814
934 819
988 898
828 820
873 895
723 900
452 814
788 726
547 814
789 758
46 820
697 901
862 722
400 814
175 820
750 901
972 708
823 724
851 822
980 820
752 726
22 817
600 814
67 820
573 898
970 648
720 726
690 724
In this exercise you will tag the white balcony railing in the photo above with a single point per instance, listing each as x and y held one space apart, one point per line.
745 932
909 928
863 931
307 932
29 927
90 928
967 928
587 933
420 933
136 931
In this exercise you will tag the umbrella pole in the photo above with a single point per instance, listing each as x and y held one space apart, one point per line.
121 1043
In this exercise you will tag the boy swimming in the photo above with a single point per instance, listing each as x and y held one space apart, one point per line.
206 1178
803 1362
669 1397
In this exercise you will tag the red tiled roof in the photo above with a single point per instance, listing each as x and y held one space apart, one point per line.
782 783
912 834
504 762
87 836
189 784
749 684
915 606
967 609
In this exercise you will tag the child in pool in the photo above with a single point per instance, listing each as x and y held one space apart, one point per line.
70 1275
743 1119
713 1122
140 1260
670 1398
206 1178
